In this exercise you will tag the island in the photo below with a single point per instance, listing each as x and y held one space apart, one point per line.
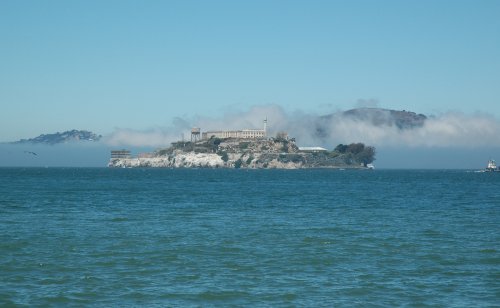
249 149
64 137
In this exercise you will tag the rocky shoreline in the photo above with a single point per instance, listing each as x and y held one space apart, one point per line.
202 160
274 153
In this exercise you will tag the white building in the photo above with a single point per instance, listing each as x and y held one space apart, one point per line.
243 134
120 154
312 149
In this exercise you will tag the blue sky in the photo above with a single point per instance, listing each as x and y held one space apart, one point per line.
101 65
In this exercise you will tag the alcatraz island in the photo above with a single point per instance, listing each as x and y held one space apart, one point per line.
247 148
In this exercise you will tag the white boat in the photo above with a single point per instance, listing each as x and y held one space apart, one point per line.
492 166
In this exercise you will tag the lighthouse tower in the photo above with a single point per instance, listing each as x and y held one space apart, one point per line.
265 127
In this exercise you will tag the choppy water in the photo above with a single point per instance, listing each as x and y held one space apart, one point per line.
133 237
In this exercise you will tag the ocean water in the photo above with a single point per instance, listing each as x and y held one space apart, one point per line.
259 238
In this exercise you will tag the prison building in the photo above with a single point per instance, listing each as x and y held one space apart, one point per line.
120 154
243 134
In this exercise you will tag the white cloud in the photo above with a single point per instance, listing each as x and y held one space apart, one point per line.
152 138
447 130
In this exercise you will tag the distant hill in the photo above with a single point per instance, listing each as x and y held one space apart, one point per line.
64 137
379 117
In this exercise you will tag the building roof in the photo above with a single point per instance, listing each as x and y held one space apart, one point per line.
312 149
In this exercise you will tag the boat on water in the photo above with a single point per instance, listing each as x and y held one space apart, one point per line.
492 166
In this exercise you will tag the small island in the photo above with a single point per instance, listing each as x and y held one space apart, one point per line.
64 137
250 149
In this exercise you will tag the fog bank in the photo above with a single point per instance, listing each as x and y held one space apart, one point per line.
450 140
441 131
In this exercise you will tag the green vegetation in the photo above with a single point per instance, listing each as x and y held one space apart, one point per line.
162 152
295 158
292 157
333 154
213 143
249 160
355 152
224 156
244 145
186 146
283 141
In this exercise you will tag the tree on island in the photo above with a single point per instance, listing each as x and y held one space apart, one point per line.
358 151
367 156
214 143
